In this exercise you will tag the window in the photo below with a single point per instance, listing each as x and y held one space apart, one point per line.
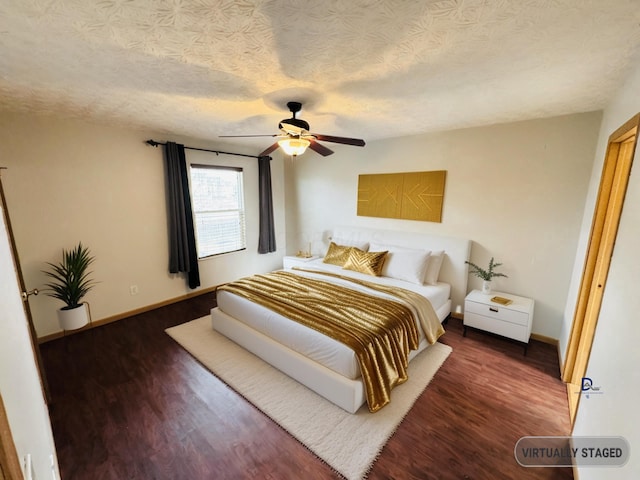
218 209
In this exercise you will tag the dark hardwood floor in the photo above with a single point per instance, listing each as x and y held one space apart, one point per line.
129 403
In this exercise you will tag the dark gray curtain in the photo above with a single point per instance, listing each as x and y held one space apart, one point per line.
183 256
267 239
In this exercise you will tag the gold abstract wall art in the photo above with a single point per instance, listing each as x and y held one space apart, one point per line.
409 196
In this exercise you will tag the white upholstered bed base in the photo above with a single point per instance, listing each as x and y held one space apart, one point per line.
345 393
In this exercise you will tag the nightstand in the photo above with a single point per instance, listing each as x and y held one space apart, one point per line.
511 321
291 261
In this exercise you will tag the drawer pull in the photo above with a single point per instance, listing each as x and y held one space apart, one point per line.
493 309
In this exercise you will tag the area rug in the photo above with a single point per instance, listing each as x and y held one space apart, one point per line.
324 428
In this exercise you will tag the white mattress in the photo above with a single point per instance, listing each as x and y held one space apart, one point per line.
314 345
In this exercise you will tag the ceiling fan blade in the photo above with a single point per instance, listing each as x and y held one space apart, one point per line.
321 149
347 141
269 150
247 136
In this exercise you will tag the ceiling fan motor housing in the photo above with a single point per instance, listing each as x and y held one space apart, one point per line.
294 125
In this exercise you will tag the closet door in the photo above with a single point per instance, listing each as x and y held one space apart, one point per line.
25 294
613 187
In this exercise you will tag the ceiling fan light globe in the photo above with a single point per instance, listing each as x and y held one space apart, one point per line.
294 146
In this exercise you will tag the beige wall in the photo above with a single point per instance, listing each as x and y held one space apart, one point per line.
517 190
615 356
70 181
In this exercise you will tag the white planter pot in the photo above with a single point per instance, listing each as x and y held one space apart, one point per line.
73 319
486 287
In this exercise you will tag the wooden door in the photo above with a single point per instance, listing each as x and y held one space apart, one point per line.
25 295
604 228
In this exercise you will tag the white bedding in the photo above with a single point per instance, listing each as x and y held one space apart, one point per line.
314 345
437 294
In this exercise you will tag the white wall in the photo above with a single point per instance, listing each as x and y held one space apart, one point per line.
70 181
19 381
615 356
517 190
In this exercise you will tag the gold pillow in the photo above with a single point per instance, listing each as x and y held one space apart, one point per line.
370 263
337 254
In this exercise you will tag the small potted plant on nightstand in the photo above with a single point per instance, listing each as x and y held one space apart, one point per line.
70 283
486 275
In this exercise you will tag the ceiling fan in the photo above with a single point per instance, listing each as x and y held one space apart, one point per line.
295 137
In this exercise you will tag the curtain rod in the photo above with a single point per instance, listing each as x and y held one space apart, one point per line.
153 143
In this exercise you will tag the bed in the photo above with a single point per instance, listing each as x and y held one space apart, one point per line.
321 363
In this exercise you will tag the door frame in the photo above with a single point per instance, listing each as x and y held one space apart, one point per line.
9 461
604 227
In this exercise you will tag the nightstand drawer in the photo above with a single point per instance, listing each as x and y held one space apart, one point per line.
506 329
497 312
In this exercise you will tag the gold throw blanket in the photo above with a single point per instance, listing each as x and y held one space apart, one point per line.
380 331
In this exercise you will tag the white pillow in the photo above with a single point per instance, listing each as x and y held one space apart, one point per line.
349 242
402 263
433 267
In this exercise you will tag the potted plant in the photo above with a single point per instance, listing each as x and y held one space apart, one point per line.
70 282
486 275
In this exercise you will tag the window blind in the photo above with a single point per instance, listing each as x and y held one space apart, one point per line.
218 209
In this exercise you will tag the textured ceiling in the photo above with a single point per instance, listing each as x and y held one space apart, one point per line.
369 69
